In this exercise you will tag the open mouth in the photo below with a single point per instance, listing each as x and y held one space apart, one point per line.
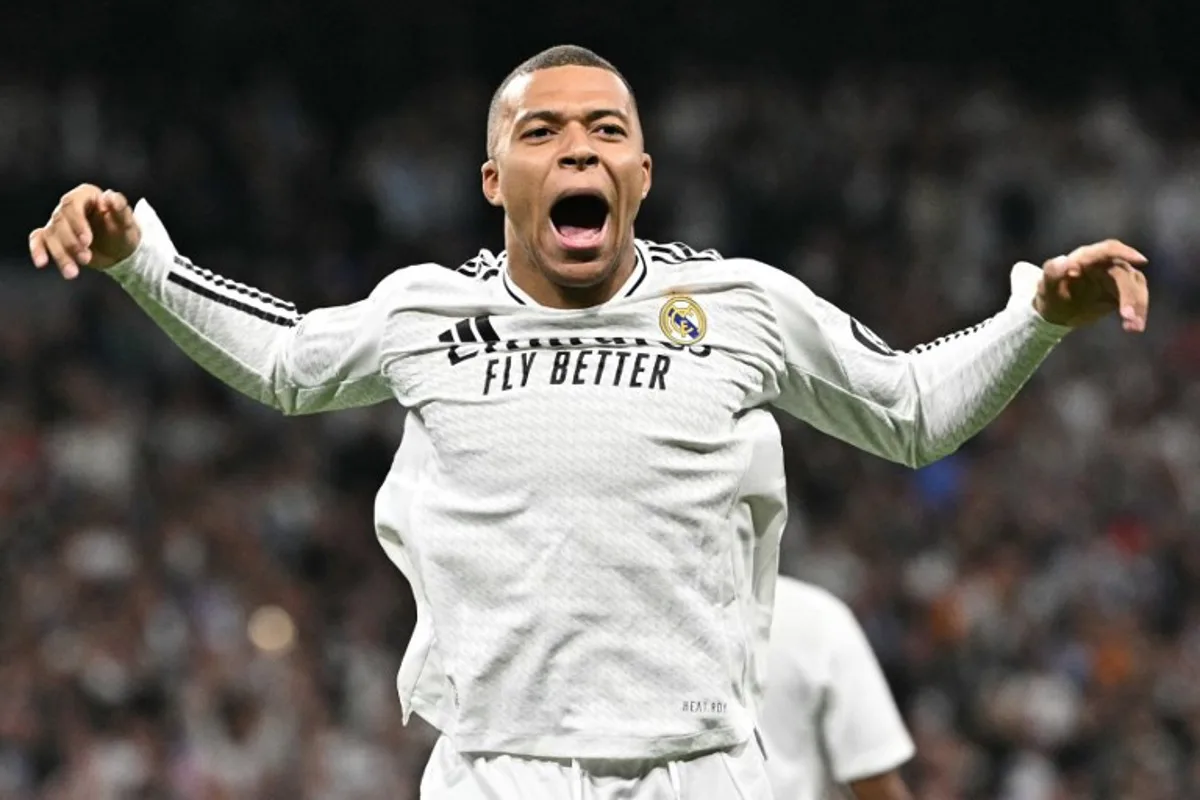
580 220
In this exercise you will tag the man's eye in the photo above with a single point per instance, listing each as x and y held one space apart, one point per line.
612 130
537 133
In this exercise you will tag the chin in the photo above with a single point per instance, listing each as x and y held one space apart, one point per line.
579 274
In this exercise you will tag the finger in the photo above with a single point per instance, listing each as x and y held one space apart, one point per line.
1063 290
73 211
63 234
118 207
1104 253
1127 295
66 264
67 234
1133 297
37 248
111 217
114 201
1055 269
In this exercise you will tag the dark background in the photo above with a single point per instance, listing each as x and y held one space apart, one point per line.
1033 598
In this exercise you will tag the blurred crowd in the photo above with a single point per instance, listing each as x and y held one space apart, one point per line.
194 602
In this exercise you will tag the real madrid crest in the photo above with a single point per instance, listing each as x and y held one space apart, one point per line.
682 320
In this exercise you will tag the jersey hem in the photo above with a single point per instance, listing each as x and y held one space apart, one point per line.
591 746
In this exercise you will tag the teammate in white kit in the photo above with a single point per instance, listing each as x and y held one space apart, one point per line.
828 718
584 557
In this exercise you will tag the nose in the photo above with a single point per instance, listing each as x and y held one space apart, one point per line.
578 153
579 158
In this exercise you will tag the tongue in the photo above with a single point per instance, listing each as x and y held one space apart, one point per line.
579 236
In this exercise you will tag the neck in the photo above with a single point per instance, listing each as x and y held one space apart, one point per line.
536 280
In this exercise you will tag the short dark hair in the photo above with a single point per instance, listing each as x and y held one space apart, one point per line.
563 55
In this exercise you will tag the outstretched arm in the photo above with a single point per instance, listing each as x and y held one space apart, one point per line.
918 406
258 344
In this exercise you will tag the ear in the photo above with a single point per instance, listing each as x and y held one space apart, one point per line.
647 164
491 182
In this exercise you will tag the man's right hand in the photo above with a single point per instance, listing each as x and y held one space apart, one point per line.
89 228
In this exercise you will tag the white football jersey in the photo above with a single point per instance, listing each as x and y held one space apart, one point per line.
574 538
828 718
758 517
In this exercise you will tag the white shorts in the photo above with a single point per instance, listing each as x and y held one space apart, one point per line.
736 774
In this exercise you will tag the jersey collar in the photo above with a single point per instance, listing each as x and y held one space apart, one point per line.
631 285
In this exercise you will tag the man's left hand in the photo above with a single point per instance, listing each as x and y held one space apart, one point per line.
1093 281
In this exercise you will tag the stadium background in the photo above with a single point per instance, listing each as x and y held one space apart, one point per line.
1034 598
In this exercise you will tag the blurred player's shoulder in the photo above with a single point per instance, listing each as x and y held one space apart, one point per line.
819 612
795 593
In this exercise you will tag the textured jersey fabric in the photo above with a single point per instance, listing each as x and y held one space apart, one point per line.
573 536
757 520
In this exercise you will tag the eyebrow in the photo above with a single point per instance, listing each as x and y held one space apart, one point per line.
558 118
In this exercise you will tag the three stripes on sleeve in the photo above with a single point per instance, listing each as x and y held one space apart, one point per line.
232 294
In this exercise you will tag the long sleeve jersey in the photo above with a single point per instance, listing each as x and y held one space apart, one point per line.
577 533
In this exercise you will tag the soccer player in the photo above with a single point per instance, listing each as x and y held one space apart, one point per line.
577 542
828 719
